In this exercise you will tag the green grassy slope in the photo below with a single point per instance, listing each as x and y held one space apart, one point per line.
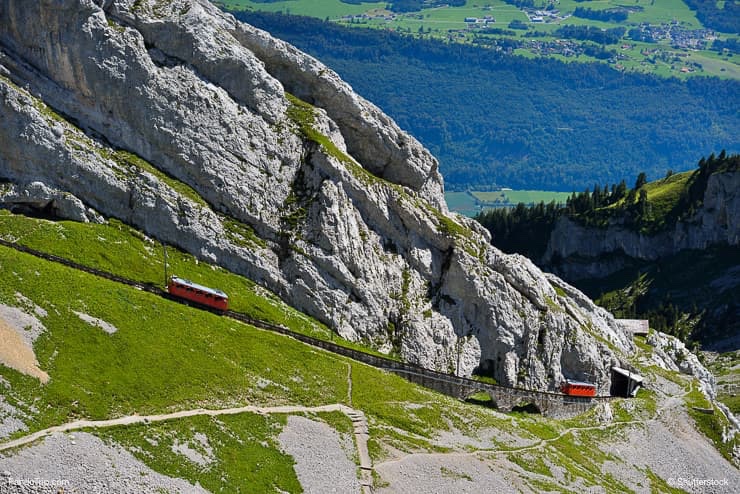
166 356
663 203
119 249
245 454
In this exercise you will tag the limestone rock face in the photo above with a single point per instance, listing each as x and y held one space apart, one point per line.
588 252
670 353
213 136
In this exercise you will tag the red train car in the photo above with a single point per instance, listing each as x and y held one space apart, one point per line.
578 388
186 289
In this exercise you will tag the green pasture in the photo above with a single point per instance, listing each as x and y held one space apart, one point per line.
313 8
244 451
454 17
436 22
715 64
663 195
166 357
121 250
513 197
653 11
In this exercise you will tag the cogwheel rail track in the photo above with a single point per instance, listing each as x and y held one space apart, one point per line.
505 398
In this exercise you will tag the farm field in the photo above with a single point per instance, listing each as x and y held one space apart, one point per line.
313 8
681 46
472 202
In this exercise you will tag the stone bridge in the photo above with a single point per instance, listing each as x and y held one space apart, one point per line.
503 398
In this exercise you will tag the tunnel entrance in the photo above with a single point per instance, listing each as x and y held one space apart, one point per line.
485 372
625 383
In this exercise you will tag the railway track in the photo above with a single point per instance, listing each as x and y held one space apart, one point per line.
455 386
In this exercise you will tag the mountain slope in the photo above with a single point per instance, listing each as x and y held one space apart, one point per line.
165 357
210 135
167 121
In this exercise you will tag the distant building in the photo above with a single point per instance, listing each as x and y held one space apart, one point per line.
632 327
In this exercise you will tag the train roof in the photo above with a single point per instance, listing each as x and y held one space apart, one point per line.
580 383
212 291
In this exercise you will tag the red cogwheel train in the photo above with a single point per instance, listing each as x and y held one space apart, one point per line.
199 294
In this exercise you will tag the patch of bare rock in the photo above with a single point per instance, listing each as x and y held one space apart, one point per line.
323 460
81 462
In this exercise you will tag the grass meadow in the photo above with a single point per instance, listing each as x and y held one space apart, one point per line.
167 356
121 250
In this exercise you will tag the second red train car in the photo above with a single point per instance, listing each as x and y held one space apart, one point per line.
578 388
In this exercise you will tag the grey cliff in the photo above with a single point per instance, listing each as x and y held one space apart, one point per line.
576 251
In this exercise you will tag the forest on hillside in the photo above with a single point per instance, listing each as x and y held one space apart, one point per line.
499 120
647 207
725 18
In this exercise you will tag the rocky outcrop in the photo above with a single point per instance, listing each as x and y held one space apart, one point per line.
576 251
670 353
37 198
213 136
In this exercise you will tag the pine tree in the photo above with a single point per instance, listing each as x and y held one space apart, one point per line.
641 180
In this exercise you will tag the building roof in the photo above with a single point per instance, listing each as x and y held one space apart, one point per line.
629 374
212 291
